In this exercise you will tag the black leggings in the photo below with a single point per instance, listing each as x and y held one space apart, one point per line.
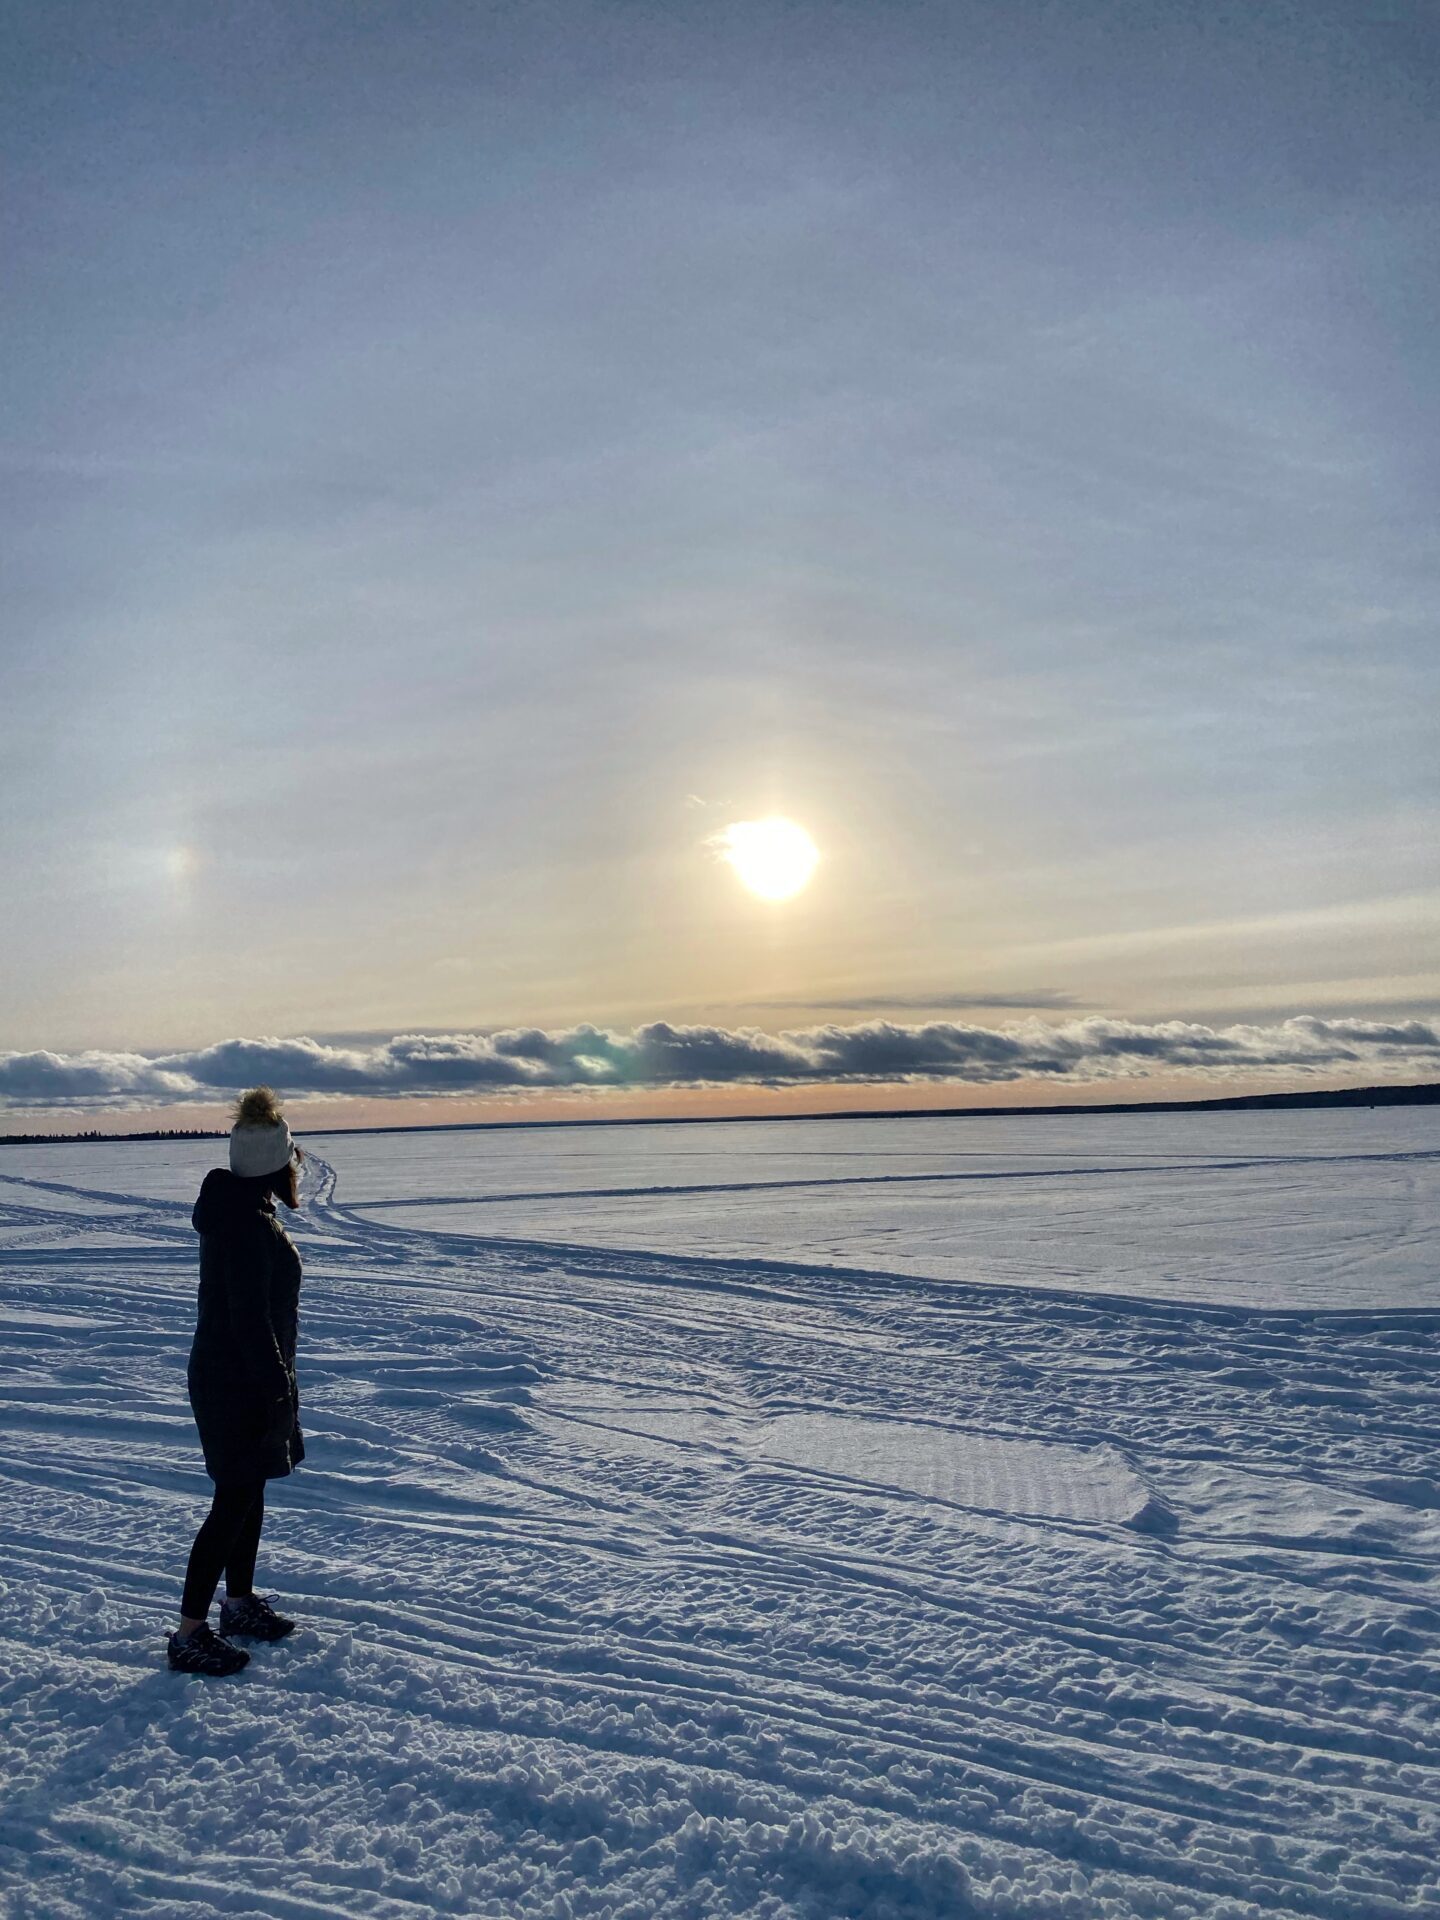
228 1538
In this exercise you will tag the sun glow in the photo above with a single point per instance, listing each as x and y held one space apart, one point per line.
774 858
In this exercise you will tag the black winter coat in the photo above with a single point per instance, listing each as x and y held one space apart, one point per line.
242 1361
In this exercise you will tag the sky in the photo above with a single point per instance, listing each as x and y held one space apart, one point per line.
458 459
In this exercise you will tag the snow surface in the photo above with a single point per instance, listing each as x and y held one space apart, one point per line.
1264 1209
912 1518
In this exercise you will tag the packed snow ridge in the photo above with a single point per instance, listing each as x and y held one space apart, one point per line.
896 1520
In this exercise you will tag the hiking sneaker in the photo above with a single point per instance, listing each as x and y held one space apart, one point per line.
253 1618
205 1652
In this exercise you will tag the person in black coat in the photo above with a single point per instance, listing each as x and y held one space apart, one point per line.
241 1380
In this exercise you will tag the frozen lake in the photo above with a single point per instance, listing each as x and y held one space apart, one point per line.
1332 1209
904 1520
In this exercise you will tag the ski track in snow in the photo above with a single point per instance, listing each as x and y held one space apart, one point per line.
635 1584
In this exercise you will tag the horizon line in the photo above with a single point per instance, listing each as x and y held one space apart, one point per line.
1422 1093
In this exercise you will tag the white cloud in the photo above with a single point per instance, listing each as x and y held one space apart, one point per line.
659 1054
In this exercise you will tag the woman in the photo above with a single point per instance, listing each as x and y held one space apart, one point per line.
242 1380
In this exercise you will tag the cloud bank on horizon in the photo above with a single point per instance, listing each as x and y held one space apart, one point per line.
660 1055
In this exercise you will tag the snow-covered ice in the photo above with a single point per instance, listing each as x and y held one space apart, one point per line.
906 1518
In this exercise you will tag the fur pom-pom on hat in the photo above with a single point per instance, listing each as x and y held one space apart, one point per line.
260 1141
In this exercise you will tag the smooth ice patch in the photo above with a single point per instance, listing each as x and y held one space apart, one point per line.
962 1469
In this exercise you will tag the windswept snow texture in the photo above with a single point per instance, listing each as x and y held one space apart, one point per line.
892 1520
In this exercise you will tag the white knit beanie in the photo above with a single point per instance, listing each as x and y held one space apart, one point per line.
260 1141
257 1150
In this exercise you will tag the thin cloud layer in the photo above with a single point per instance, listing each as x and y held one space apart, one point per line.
661 1055
1039 998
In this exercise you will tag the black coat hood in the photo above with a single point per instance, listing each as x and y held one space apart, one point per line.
226 1200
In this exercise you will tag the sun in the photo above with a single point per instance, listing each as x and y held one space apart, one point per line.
774 858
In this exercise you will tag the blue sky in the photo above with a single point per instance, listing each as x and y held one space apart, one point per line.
459 458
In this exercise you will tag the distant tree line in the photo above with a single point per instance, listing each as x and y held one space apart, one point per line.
1426 1095
95 1133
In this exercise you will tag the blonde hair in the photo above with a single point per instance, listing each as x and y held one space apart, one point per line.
258 1108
